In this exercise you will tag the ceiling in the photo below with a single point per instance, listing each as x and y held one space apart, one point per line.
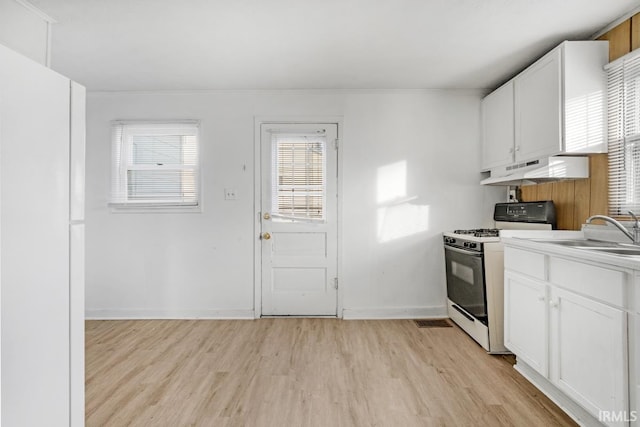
305 44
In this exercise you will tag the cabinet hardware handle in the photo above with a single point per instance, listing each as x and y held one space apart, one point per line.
518 148
553 304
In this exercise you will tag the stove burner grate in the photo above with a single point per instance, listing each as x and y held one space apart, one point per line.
480 232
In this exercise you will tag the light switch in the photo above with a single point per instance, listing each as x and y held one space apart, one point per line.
229 194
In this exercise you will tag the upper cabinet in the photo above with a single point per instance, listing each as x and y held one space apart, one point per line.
498 127
555 106
538 99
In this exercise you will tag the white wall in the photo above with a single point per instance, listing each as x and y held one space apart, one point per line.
410 162
24 29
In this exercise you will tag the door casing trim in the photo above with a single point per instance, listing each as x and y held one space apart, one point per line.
257 201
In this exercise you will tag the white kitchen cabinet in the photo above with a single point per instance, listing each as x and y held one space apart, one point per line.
527 320
537 109
566 322
588 352
498 127
556 107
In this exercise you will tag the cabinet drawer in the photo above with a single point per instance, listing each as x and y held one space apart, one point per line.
524 262
596 282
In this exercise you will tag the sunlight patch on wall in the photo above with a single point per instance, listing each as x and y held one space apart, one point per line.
392 182
584 121
403 220
398 217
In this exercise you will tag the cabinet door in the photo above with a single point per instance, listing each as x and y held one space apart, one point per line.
498 128
588 352
526 320
537 108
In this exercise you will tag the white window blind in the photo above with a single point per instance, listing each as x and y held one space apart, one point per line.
155 165
298 177
623 117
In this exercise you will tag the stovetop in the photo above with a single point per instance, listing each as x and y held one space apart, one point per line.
478 235
479 232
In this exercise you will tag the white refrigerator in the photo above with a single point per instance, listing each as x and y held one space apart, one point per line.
42 140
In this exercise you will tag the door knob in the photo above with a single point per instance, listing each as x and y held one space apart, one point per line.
266 236
267 216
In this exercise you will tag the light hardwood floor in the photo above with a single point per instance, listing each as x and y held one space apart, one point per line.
301 372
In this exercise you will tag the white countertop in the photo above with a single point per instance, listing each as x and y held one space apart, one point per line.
582 255
543 234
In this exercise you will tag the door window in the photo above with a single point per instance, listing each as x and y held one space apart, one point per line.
299 177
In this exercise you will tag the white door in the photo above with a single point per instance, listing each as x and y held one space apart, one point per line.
526 320
299 219
537 109
498 137
588 352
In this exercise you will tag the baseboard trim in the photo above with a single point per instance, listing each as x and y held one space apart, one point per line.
347 314
394 313
151 314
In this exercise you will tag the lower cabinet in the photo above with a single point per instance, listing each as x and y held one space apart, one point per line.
526 323
588 348
578 344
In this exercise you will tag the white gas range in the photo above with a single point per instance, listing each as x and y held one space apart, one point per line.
475 270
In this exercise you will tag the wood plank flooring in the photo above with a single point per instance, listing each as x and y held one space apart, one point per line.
301 372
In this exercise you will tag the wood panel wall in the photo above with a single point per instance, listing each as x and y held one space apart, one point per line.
576 200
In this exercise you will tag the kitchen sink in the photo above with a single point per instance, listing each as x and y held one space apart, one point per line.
619 251
626 249
579 243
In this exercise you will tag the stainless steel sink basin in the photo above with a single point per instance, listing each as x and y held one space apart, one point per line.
579 243
626 249
618 251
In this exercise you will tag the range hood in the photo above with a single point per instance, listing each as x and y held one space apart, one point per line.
537 171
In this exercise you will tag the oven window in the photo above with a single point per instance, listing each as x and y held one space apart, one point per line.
462 272
465 282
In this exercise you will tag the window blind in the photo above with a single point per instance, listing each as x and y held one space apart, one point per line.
299 176
623 118
155 164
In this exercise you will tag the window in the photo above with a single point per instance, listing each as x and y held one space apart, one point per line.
155 166
299 177
623 106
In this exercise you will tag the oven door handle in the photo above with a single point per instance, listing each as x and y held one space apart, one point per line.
462 251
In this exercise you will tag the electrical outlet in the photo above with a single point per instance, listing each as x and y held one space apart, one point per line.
229 194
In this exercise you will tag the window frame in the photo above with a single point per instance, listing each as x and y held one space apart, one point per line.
276 140
121 133
623 128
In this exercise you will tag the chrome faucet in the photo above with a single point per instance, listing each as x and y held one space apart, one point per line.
636 228
635 236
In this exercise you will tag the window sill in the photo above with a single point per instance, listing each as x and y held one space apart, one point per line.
118 208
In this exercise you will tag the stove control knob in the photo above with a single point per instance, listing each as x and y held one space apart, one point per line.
472 245
466 244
